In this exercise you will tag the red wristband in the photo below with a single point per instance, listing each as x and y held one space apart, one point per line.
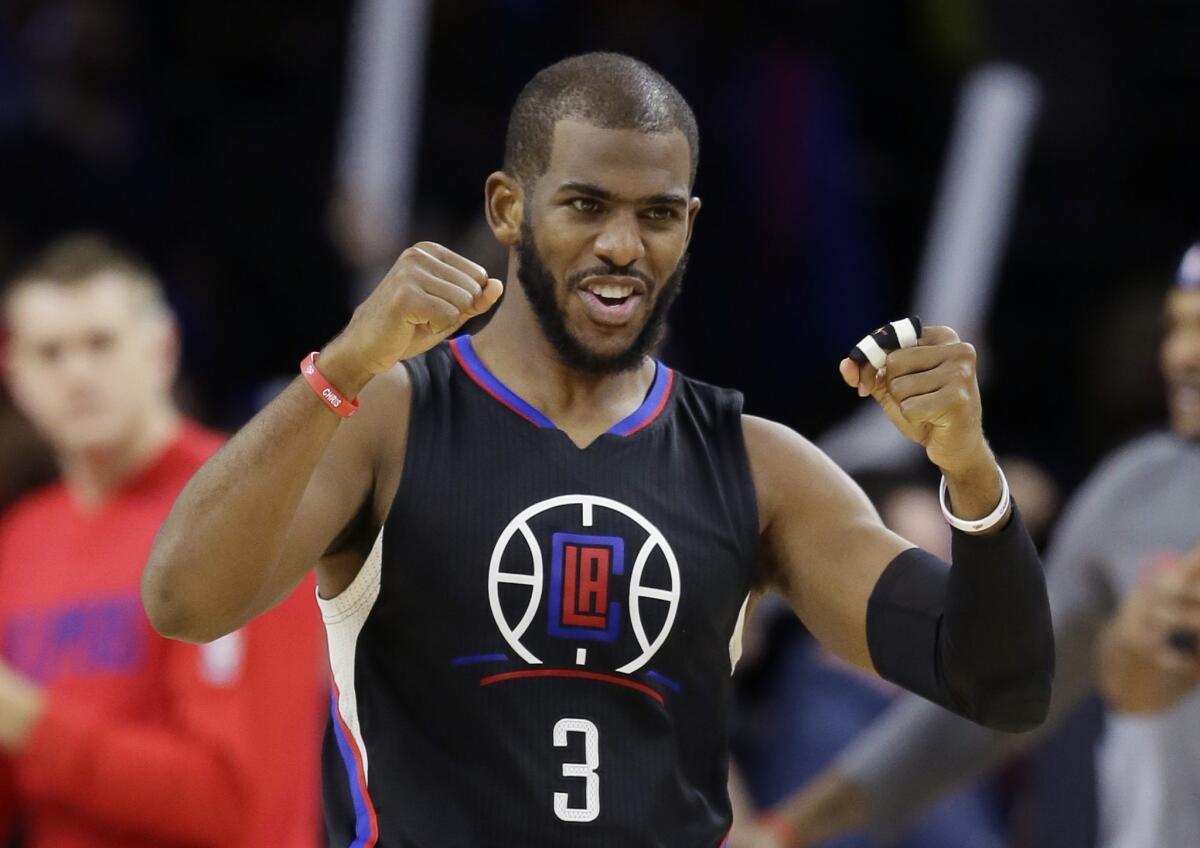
326 392
781 826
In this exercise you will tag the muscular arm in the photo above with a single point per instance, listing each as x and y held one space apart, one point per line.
830 556
262 511
824 545
945 633
916 753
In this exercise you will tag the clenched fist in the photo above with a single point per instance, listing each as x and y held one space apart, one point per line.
427 295
931 395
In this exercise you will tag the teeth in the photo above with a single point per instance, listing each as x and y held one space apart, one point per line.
611 290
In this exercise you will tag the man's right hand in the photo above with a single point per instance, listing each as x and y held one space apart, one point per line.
427 295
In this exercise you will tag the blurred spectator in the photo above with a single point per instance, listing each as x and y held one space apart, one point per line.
1124 582
202 136
109 734
24 460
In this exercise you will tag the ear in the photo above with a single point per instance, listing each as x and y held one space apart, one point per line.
693 211
166 342
503 202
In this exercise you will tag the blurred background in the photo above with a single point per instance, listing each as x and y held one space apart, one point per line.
270 159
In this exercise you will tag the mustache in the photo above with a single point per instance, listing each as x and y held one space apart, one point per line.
576 277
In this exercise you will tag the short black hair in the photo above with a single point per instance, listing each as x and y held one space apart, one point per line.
609 90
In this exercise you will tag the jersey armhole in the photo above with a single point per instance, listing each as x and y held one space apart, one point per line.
362 592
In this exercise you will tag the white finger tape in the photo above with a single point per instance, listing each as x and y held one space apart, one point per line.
906 333
876 355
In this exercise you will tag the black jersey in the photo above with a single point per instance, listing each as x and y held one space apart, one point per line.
537 651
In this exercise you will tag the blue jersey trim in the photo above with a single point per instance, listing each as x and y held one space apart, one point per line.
655 400
649 409
362 816
474 366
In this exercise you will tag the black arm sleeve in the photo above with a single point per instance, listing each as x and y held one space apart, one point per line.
974 638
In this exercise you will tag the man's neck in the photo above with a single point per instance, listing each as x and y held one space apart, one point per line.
516 350
92 476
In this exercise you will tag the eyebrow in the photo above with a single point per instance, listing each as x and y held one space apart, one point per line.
662 199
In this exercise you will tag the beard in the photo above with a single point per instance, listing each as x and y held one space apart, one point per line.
541 290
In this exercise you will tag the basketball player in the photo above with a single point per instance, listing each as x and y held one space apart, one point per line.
111 735
1124 589
536 648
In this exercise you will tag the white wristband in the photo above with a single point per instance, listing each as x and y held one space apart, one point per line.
977 525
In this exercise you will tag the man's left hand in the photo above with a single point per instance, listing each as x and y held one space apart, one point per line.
931 395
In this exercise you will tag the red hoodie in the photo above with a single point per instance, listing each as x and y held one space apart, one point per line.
146 741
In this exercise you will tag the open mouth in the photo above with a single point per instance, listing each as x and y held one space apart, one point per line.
611 300
611 295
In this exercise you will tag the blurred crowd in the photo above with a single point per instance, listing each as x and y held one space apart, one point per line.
266 160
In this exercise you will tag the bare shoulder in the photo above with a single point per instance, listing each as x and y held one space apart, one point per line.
391 388
823 544
792 474
766 439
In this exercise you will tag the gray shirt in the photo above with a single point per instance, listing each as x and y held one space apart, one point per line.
1138 512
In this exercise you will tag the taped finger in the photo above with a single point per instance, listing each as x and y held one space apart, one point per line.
874 348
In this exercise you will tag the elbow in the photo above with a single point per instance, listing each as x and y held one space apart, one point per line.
1011 689
1015 699
1011 695
174 621
1013 706
169 619
168 611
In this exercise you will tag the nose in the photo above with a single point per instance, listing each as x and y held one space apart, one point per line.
76 363
620 242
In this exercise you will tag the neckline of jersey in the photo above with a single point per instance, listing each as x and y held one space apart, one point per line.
649 409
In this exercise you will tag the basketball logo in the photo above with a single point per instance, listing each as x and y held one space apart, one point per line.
588 597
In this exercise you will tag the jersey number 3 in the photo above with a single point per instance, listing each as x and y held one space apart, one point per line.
586 770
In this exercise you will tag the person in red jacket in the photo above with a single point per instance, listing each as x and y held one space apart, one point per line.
109 734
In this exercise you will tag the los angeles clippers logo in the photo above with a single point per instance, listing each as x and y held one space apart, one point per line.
580 575
592 590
